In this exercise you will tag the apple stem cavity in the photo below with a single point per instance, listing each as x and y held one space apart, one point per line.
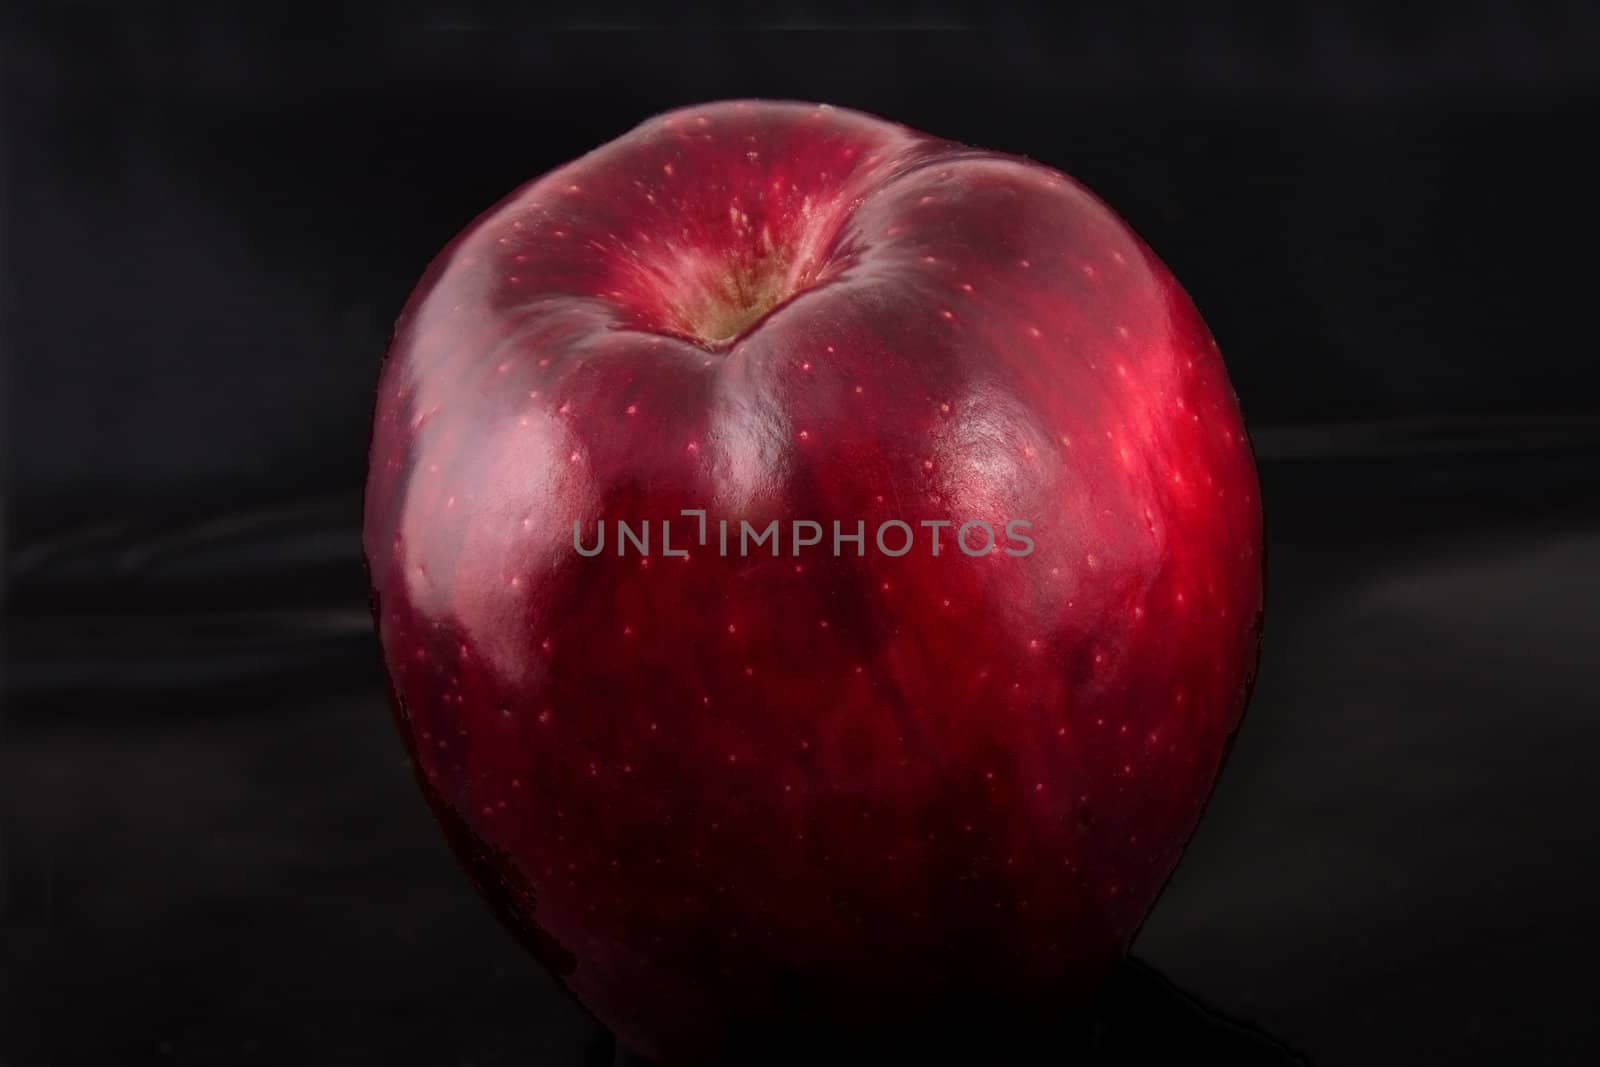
716 295
733 264
744 295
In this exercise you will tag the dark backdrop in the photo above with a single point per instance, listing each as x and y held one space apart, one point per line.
212 851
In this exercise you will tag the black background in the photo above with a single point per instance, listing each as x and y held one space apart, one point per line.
212 849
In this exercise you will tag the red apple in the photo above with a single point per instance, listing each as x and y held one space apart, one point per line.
843 789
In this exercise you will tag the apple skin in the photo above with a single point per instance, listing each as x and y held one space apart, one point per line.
870 798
